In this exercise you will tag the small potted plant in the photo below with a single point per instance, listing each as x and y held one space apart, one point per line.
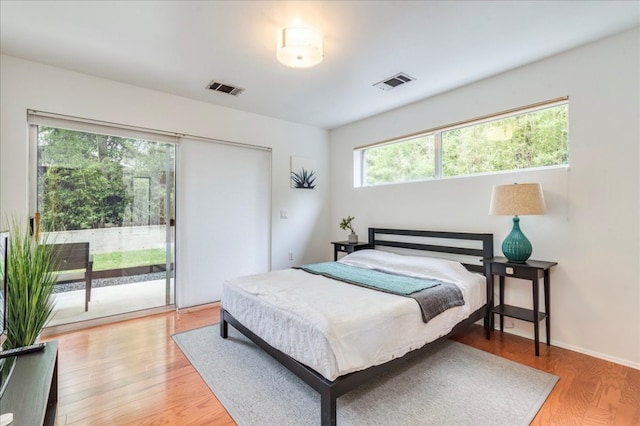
346 224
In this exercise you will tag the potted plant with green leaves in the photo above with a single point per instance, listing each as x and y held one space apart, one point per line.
346 224
30 285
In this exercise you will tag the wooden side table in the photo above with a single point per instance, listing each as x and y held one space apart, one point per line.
347 247
531 270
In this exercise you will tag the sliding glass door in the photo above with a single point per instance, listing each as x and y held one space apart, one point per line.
116 192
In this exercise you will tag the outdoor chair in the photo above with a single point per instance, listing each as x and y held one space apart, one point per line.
74 256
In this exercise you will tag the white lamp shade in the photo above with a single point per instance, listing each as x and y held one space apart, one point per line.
299 47
517 199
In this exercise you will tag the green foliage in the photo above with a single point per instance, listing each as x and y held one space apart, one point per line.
88 181
126 259
30 282
346 224
404 161
535 139
304 178
530 140
84 198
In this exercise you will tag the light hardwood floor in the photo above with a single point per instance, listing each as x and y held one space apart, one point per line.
131 373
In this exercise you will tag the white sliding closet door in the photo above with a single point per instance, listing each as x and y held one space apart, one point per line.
223 217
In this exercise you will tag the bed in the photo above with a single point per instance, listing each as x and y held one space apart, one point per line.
335 335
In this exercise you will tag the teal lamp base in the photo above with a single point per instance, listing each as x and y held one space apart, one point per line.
516 247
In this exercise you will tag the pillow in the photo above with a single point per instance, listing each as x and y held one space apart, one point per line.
368 259
412 266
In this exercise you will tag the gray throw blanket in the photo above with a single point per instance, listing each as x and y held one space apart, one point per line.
433 296
435 300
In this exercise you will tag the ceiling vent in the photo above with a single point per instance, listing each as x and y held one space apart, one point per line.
394 81
216 86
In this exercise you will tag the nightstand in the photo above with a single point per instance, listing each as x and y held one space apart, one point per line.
531 270
347 247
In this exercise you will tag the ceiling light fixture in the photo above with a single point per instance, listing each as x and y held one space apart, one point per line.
299 47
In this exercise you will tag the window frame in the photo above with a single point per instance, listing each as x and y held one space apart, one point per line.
359 158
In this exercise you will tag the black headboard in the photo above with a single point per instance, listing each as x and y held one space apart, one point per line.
485 250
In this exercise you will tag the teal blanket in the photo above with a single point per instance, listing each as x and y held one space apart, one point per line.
433 296
390 283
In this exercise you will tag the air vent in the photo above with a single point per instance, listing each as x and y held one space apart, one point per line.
394 81
216 86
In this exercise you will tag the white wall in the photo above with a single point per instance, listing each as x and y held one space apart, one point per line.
592 225
28 85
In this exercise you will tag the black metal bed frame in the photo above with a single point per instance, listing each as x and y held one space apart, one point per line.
331 390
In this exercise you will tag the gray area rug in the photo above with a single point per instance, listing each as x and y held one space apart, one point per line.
452 384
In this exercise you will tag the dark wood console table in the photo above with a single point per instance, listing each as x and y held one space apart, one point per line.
32 392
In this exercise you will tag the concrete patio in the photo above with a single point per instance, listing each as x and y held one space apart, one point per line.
108 301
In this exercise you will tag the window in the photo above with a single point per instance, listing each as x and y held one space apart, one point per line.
536 136
404 161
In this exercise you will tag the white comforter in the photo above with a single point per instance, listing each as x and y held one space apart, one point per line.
337 328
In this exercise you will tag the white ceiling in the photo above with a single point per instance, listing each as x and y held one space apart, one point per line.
178 47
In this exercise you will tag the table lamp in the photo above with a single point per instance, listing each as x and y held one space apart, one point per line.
517 200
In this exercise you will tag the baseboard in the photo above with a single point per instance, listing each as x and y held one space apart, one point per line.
573 348
626 363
